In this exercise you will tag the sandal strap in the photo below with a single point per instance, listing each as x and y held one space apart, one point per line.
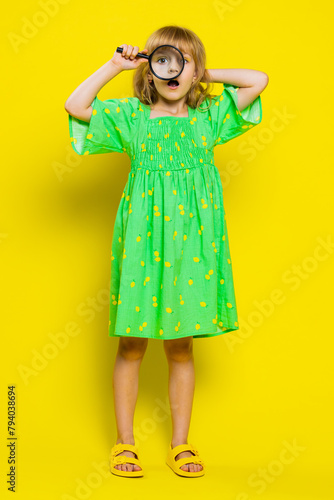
118 448
122 459
183 447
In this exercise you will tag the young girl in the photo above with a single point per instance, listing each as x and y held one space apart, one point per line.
171 270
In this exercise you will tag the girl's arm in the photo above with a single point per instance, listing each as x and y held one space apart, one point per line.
79 102
250 82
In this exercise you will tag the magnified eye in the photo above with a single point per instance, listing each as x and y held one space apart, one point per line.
160 59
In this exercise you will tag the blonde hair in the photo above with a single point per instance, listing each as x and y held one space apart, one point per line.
188 42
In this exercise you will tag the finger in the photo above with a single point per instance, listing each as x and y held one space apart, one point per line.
128 51
124 45
142 59
134 52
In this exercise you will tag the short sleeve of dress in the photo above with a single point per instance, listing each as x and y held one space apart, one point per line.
111 127
227 121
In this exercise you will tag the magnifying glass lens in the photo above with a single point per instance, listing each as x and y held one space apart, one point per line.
167 62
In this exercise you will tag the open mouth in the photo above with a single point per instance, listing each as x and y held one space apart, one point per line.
173 84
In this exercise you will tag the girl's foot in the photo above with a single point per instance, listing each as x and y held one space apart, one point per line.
191 467
127 466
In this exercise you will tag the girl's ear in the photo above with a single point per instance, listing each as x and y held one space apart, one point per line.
150 79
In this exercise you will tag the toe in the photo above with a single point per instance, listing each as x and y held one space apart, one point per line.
191 468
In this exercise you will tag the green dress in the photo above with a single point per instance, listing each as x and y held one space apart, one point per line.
171 269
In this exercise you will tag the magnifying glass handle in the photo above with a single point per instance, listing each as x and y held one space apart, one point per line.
120 49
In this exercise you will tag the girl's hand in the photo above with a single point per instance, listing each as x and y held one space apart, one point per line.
127 59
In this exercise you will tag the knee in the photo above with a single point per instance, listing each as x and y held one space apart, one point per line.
179 349
132 348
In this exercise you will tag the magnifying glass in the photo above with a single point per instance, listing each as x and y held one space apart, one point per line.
166 61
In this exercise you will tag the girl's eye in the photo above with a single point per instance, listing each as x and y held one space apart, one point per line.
164 59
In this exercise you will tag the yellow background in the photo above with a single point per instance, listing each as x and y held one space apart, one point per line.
258 391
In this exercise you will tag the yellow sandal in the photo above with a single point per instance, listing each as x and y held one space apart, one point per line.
176 465
116 459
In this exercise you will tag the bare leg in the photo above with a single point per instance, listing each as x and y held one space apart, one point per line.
130 354
181 388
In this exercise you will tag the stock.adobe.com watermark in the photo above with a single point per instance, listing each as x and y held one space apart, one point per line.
32 25
265 476
294 277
